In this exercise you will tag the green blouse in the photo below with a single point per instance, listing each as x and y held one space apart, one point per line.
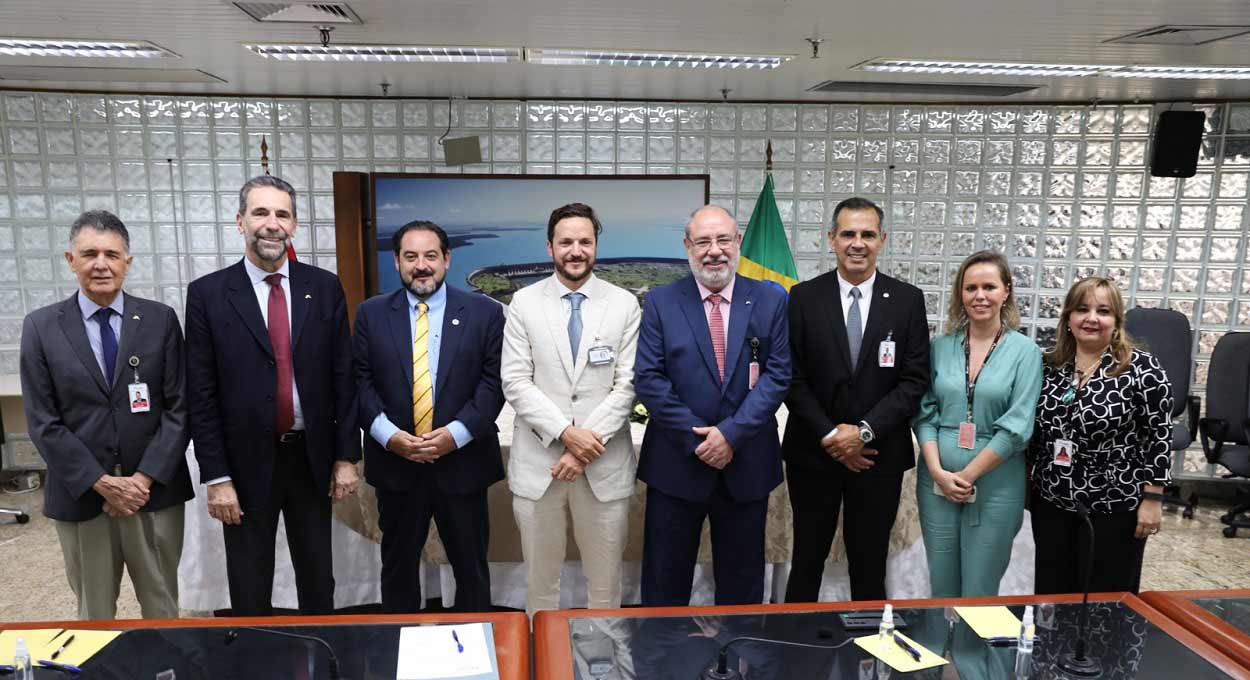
1006 393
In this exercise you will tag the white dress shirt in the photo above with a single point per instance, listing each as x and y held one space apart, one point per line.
865 298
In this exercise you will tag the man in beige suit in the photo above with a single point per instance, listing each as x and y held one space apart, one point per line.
568 370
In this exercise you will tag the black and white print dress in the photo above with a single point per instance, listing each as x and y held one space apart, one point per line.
1122 429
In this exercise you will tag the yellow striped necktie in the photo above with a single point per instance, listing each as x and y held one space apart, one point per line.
422 388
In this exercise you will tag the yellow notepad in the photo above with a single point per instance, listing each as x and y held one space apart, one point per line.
34 637
86 644
990 622
896 658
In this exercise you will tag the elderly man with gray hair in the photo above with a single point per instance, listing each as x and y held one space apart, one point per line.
105 400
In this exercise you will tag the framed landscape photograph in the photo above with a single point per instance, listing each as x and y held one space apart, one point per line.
497 225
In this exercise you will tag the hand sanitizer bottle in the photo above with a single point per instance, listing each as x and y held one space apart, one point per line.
885 632
22 669
1024 646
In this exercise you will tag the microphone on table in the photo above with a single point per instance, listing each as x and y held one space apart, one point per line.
1079 663
722 671
233 634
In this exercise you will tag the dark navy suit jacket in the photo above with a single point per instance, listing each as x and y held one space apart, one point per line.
676 378
468 388
232 378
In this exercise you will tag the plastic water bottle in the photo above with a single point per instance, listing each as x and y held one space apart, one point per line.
885 632
1024 646
22 669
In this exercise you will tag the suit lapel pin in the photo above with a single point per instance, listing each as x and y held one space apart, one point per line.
748 302
455 322
885 295
135 317
307 296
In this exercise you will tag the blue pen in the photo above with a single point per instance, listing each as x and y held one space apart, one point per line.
459 647
68 668
915 653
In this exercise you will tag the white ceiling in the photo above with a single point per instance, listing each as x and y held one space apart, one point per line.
207 34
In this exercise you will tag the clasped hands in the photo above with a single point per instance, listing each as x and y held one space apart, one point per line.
582 447
845 446
123 496
422 448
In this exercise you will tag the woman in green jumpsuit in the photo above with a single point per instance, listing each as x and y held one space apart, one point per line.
970 487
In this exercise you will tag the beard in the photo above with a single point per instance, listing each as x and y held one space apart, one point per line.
562 268
267 251
713 280
422 289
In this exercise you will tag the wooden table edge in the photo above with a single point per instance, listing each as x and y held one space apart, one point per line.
510 629
553 657
1180 607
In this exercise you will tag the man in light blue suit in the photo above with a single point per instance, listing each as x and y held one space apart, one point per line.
713 366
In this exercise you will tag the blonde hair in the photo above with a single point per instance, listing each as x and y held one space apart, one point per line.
1009 313
1121 346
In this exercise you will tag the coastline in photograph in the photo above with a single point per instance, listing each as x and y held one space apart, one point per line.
497 227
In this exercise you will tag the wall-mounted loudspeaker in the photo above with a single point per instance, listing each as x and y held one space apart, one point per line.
462 150
1178 136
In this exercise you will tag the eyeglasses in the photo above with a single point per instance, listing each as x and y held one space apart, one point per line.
704 244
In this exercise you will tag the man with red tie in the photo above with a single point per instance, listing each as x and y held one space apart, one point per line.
272 404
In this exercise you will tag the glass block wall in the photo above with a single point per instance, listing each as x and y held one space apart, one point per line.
1063 190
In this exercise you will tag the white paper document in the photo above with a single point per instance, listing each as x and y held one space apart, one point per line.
446 651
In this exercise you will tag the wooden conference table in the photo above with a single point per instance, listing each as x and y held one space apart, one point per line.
1131 638
1219 617
197 648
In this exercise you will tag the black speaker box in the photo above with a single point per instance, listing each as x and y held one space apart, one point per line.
1178 136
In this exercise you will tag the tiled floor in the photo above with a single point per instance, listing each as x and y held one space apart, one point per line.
1186 555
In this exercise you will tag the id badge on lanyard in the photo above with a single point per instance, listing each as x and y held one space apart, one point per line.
968 428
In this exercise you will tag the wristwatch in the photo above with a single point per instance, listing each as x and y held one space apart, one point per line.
865 432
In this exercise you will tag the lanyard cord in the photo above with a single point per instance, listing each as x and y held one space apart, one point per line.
970 385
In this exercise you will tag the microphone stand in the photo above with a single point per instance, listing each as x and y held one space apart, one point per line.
722 671
1078 663
333 661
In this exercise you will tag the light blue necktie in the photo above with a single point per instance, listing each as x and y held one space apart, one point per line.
575 322
854 328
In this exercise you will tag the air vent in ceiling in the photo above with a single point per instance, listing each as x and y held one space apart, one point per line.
1178 34
938 89
300 12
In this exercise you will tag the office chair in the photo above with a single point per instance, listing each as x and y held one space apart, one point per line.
1165 333
1225 432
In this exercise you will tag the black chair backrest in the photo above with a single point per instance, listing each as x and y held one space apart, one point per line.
1165 333
1228 385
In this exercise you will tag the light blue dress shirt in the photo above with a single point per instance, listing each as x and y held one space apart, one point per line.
382 428
89 308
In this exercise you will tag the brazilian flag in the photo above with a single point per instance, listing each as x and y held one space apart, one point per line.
765 251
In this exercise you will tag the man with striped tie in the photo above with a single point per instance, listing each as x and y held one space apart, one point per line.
427 375
712 367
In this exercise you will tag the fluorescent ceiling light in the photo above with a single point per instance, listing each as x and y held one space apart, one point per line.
396 53
980 68
574 57
1185 72
33 47
992 68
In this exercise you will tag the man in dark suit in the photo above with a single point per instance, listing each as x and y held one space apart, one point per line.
860 343
272 404
427 371
712 368
117 472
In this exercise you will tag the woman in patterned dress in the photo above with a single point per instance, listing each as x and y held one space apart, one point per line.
1101 444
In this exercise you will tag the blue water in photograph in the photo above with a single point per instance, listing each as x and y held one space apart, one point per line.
497 224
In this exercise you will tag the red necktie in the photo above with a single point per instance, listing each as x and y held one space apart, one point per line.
716 324
280 338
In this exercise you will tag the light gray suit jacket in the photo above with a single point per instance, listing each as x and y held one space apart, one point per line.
549 393
83 428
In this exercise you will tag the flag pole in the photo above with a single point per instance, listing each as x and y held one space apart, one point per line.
768 157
